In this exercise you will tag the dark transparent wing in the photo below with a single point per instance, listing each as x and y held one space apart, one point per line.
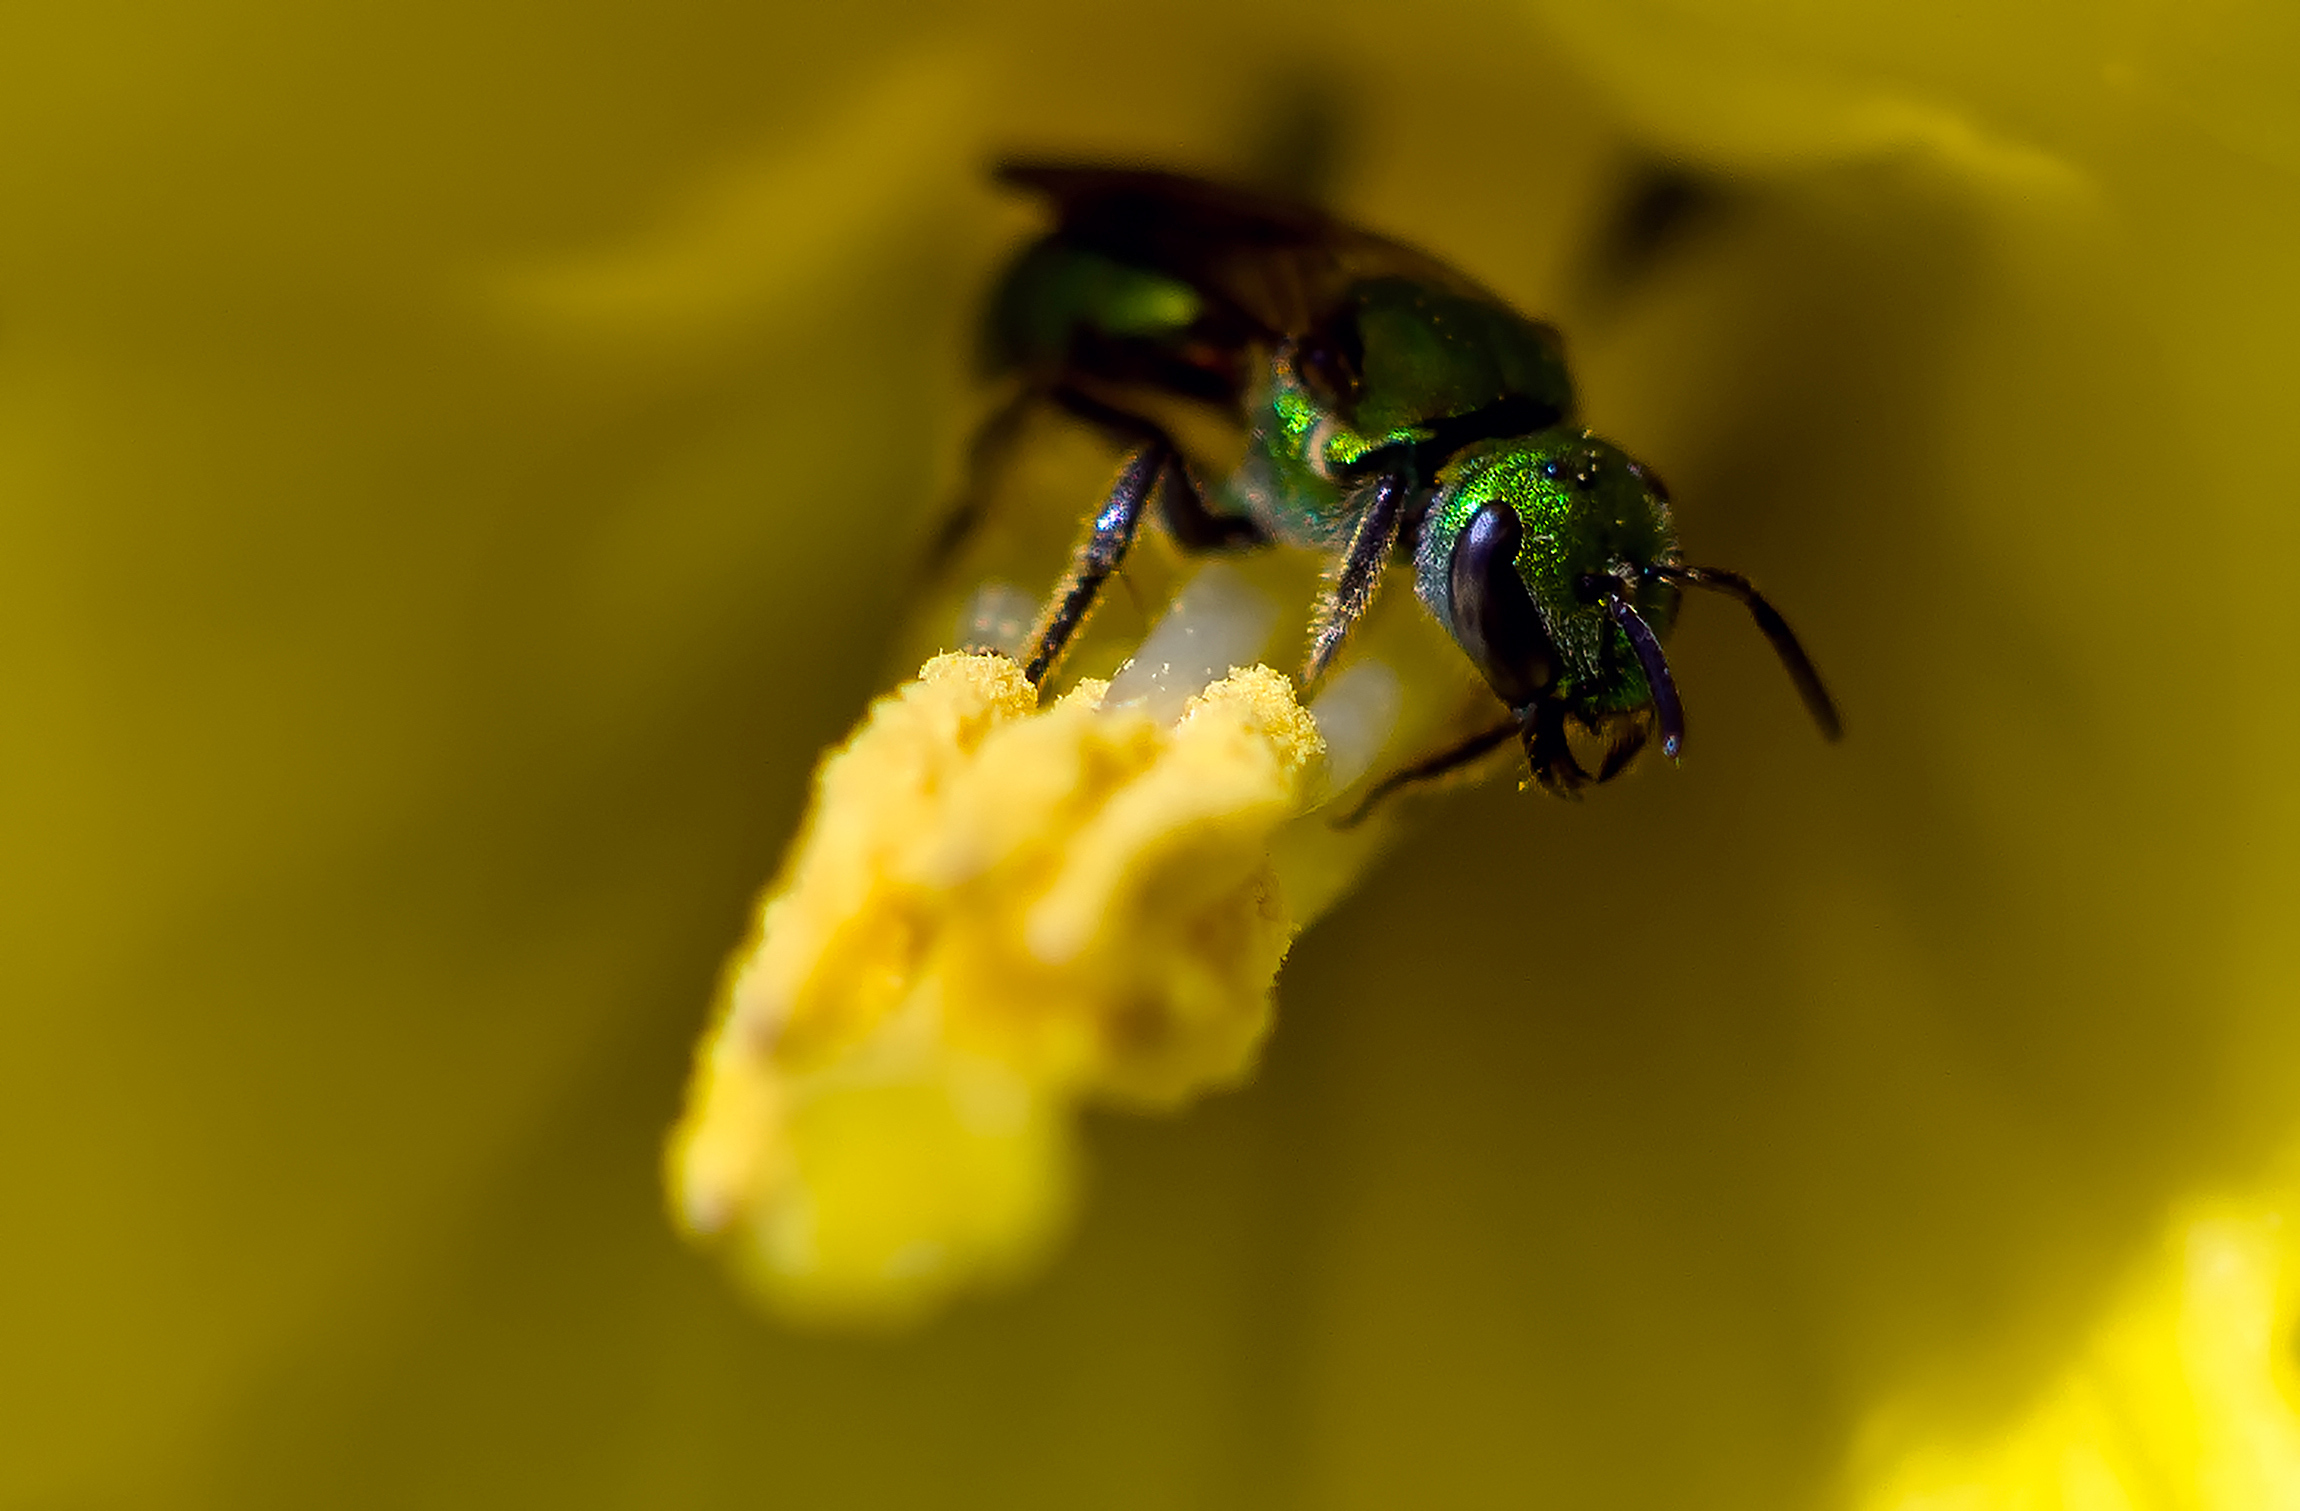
1277 268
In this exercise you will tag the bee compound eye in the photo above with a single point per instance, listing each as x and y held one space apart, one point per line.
1494 618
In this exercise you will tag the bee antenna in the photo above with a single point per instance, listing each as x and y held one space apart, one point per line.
1799 666
1667 711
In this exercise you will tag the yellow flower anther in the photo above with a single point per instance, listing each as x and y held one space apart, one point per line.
995 913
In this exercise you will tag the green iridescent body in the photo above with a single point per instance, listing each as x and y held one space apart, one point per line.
1428 356
1382 406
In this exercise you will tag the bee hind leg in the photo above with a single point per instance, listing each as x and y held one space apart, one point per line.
992 444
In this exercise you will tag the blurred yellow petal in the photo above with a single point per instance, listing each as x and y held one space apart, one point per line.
2181 1396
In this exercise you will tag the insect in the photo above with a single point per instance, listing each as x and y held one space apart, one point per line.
1391 410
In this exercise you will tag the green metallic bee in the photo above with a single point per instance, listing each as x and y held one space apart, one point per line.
1391 409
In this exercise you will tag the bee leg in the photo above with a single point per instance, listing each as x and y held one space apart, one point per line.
1189 518
1445 762
1550 753
1350 591
990 446
1623 749
1098 555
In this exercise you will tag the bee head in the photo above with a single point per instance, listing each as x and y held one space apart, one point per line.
1540 553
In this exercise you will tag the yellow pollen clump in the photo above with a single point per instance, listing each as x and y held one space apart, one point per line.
995 913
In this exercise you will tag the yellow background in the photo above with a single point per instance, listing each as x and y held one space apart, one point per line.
459 462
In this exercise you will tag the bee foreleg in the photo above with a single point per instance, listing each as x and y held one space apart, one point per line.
1626 742
1549 752
1444 763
